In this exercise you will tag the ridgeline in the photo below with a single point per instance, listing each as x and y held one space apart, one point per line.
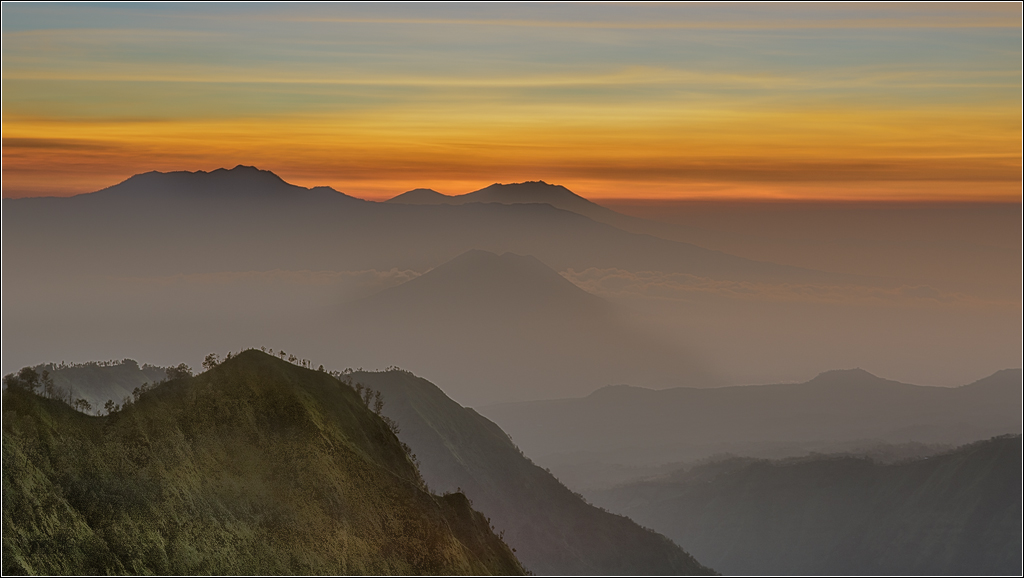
256 466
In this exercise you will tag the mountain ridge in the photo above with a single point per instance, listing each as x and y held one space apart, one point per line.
198 475
956 512
554 531
624 426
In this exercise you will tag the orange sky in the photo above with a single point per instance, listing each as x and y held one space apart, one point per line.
663 101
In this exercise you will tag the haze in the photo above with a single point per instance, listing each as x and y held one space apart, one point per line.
658 289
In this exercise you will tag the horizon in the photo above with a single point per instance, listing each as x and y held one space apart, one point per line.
611 201
859 102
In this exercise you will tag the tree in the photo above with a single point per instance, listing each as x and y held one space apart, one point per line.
211 361
110 406
179 372
49 389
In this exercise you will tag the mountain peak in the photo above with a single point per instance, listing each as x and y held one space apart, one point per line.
420 197
535 191
242 181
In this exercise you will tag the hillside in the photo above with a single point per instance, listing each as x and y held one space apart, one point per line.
951 514
504 327
554 531
254 467
622 426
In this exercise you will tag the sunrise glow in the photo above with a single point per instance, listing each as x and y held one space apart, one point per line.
662 101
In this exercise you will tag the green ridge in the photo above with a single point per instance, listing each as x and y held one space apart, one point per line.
254 467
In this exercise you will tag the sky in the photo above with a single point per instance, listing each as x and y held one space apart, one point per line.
660 101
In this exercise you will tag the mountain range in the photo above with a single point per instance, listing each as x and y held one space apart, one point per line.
956 513
621 426
246 218
169 266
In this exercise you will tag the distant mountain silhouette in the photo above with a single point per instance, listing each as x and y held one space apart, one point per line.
635 426
243 183
554 531
420 197
504 327
957 513
249 219
530 192
256 466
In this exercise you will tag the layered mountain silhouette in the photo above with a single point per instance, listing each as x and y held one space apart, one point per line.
506 326
554 531
242 183
635 426
254 467
958 513
248 219
537 192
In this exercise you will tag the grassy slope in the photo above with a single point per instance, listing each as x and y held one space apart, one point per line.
553 530
956 513
255 467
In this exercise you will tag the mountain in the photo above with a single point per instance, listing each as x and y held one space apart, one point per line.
958 513
838 410
242 183
254 467
151 269
532 192
420 197
247 219
553 531
504 327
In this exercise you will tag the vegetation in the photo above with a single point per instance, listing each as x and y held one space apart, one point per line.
254 467
96 382
552 530
953 513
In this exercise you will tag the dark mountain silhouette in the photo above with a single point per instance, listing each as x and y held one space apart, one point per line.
553 530
531 192
248 219
420 197
634 426
957 513
242 183
503 327
254 467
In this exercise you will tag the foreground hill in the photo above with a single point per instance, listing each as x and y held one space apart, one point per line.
955 513
554 531
254 467
635 426
504 327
